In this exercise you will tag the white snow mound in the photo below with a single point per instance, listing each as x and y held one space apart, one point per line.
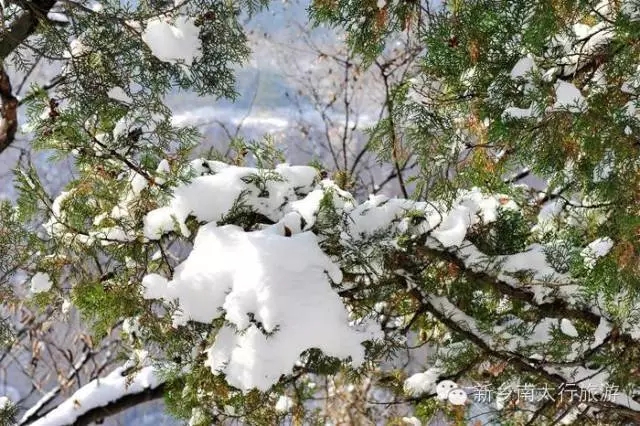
273 289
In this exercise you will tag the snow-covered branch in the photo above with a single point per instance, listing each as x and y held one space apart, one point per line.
105 396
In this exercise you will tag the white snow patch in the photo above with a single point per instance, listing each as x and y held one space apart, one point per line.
567 327
596 250
422 383
569 98
118 94
283 304
631 8
514 112
177 42
284 404
40 282
210 197
523 67
5 402
601 333
605 167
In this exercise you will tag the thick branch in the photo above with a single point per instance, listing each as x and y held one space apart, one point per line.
120 405
455 321
105 397
23 26
554 308
10 39
8 111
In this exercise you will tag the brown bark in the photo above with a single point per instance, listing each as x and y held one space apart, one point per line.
10 39
8 111
23 26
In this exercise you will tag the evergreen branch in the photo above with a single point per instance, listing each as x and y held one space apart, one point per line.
556 307
474 335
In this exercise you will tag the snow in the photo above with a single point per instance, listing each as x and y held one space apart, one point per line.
596 250
572 415
532 259
548 214
54 226
10 392
138 183
444 389
514 112
163 169
131 327
422 383
577 46
118 94
40 282
566 326
154 286
457 397
605 167
601 333
376 214
66 307
5 402
223 191
99 393
523 67
471 207
412 421
569 98
603 8
284 404
76 49
198 416
272 297
630 109
177 42
284 304
96 6
464 321
448 228
631 8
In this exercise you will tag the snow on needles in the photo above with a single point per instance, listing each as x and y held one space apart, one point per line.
596 250
422 383
209 198
275 289
177 42
273 285
5 403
